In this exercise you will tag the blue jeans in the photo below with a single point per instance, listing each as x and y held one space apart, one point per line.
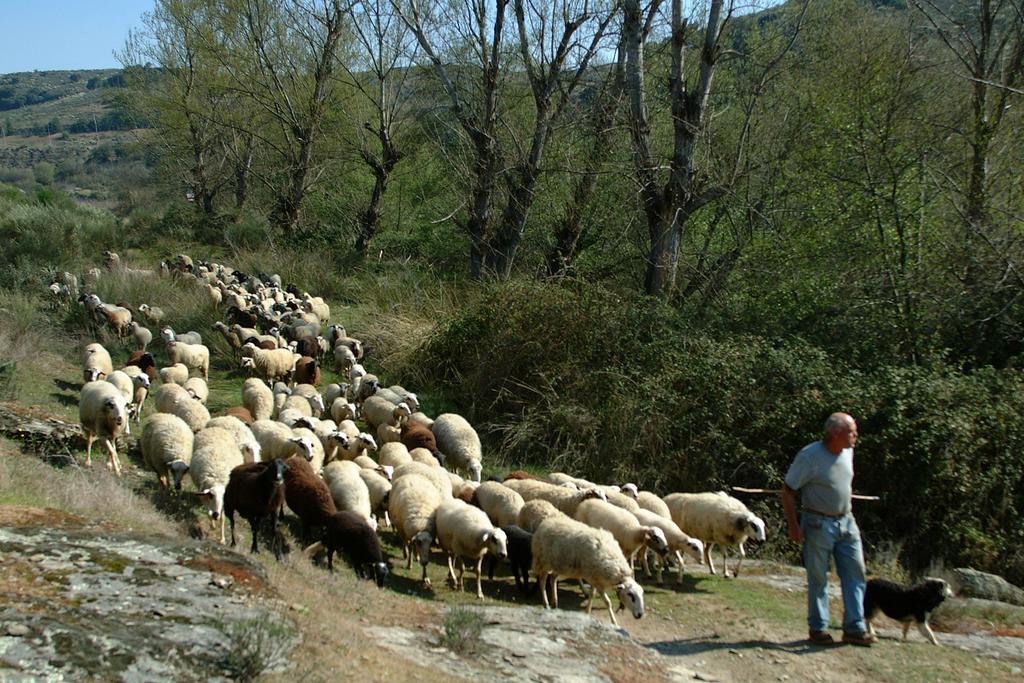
824 538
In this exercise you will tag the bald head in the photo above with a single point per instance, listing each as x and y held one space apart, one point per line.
840 432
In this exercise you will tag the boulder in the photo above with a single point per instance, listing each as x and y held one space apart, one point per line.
970 583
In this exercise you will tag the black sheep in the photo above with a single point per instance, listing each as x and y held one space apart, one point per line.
349 534
256 490
520 556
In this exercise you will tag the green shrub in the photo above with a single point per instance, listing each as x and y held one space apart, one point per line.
572 377
462 629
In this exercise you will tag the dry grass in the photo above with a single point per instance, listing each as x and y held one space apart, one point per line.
91 493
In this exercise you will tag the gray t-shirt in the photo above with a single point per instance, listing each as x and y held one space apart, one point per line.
825 481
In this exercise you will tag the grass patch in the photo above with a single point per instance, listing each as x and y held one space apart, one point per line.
462 629
94 494
256 645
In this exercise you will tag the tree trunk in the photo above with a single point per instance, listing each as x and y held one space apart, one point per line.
382 169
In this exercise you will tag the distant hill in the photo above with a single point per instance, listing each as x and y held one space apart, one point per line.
65 129
47 102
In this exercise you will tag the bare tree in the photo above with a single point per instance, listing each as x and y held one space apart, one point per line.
379 73
280 56
670 205
179 93
556 44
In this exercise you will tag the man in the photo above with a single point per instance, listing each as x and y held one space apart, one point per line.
823 474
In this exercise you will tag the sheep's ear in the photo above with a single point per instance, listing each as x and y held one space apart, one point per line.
486 537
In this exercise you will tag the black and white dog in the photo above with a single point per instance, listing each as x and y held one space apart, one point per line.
907 605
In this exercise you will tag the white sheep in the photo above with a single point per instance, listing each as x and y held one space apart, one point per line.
435 475
393 454
716 518
378 411
312 395
412 507
166 445
421 418
151 313
565 548
566 500
501 503
246 440
308 436
424 456
464 531
214 455
173 398
536 511
653 502
190 337
278 441
198 389
630 534
126 386
103 413
193 356
140 334
174 374
271 364
678 542
459 443
378 485
358 444
258 398
141 384
341 409
96 363
347 488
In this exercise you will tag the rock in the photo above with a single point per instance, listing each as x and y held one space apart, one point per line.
703 677
17 630
971 583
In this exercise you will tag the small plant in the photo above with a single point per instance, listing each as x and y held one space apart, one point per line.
256 645
462 628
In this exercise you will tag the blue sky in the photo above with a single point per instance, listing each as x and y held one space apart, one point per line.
65 34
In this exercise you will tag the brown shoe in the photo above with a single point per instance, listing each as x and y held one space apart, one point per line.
821 638
862 639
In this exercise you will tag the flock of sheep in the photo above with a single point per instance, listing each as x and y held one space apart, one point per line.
288 444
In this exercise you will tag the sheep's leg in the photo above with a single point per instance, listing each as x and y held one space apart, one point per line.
231 518
725 560
743 554
275 537
115 464
590 599
407 552
424 578
254 526
451 571
707 557
222 539
479 585
162 478
611 612
462 570
679 559
554 588
542 578
89 438
906 627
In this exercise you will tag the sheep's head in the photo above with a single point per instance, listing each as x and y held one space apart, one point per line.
278 468
475 470
356 371
251 450
341 438
167 334
248 350
593 493
303 444
317 402
401 412
497 543
178 469
380 573
654 538
631 596
752 526
695 549
367 441
117 411
421 543
387 471
631 490
213 499
91 374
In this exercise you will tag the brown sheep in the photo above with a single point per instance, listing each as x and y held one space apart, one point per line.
307 495
241 413
416 435
307 371
145 362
